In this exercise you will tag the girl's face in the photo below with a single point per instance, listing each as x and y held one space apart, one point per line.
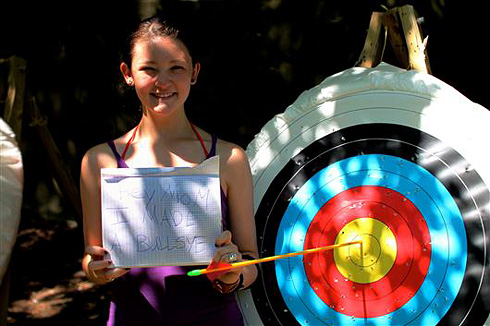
162 74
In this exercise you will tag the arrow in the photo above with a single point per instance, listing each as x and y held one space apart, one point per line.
221 267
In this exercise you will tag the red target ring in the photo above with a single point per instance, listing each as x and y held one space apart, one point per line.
410 266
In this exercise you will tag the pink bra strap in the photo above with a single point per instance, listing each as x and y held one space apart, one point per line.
130 141
123 155
206 153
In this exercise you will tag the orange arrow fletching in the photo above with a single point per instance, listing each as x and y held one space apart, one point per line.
215 269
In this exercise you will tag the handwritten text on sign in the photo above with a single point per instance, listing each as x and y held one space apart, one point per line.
161 216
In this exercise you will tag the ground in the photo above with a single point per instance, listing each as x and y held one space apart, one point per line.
47 284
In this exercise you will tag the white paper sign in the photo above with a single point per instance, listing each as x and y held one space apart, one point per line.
161 216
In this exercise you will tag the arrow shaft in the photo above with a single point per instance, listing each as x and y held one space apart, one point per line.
282 256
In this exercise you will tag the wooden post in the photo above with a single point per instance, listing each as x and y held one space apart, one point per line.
14 102
372 52
60 172
404 36
417 56
391 21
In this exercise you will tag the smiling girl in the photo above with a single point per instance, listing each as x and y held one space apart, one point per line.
161 70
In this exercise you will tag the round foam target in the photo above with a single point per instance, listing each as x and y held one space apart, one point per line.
391 157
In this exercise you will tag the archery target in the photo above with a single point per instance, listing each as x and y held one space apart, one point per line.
389 157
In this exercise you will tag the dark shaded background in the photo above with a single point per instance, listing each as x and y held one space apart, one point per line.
257 56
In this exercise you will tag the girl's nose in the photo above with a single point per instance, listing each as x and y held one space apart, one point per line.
162 79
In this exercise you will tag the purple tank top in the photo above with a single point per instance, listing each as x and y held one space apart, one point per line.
166 295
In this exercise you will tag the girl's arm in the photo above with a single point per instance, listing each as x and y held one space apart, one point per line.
94 265
238 181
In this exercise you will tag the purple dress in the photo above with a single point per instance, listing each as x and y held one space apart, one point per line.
166 295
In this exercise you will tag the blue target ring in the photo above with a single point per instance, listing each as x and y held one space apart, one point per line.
439 289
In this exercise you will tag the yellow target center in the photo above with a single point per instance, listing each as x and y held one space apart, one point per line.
374 258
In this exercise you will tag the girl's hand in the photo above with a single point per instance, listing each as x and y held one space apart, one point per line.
97 268
227 252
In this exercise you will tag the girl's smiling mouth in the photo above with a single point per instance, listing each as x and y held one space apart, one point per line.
161 95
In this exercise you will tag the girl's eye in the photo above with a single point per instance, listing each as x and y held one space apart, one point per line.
148 69
177 68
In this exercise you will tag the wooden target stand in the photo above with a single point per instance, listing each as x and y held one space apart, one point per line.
400 28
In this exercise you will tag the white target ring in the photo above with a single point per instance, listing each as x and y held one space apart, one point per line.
360 98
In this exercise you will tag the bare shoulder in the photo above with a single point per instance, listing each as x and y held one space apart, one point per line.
231 155
234 166
101 155
97 157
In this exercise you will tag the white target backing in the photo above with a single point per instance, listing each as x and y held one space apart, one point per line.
378 131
